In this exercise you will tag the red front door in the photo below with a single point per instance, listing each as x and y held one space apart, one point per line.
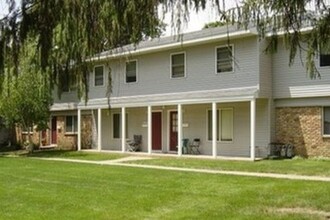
173 131
54 130
156 130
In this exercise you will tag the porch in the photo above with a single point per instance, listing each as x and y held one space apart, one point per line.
237 128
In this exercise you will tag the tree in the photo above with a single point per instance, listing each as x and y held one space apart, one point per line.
73 31
26 97
214 24
288 20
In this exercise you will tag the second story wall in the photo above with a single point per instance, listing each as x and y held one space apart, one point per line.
154 71
293 81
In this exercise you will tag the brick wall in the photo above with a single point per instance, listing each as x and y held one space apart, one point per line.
302 127
64 140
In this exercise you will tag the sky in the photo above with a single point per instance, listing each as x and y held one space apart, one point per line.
196 20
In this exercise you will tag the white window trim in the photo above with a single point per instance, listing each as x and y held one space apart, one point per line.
70 132
322 122
137 71
103 76
216 59
185 65
219 131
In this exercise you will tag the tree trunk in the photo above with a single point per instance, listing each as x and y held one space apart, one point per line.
30 147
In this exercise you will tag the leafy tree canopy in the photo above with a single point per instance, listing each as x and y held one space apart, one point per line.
26 97
68 32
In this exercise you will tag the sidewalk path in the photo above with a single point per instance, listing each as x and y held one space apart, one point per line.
120 162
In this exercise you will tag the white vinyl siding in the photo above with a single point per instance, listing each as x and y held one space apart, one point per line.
99 76
326 121
178 65
199 72
131 71
71 124
224 59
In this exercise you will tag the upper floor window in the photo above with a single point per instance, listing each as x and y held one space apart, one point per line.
99 76
178 65
326 120
131 71
224 59
71 124
68 82
325 56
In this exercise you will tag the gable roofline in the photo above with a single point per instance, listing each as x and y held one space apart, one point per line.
173 42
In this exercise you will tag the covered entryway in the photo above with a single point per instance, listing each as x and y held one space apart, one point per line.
157 131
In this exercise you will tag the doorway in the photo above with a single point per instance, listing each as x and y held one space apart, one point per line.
173 130
54 130
157 131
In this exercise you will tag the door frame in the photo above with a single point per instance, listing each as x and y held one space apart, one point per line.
168 129
161 138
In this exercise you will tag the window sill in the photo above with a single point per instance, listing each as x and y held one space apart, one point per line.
224 73
326 136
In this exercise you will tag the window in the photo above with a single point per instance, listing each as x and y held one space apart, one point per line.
178 65
224 59
68 82
98 76
71 124
326 120
117 125
224 124
131 71
325 56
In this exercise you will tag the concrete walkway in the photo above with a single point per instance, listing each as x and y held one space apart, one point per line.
120 162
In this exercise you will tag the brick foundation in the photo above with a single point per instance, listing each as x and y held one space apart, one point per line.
302 127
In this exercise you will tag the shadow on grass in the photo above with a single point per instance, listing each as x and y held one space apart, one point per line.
58 153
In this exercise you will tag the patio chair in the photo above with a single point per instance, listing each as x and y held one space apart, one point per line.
135 144
194 146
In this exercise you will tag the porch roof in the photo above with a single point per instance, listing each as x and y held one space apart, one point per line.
193 97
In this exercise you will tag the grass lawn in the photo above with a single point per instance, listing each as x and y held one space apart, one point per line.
79 155
310 167
35 189
296 166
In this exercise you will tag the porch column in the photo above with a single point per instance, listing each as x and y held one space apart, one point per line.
214 129
149 129
123 129
79 130
179 130
99 141
252 128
